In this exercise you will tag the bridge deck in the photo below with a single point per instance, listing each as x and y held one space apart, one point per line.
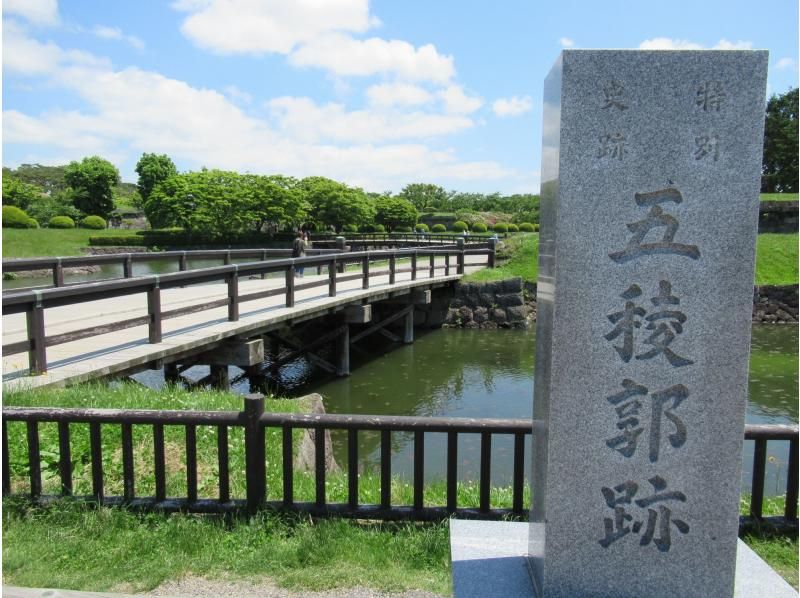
129 349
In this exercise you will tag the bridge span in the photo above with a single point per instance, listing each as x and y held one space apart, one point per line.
218 316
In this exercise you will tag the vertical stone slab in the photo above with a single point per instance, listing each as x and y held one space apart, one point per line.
651 166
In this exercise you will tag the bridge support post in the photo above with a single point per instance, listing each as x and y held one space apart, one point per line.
171 375
219 377
408 327
343 352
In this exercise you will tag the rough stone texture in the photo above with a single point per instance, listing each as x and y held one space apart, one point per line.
490 305
306 457
777 217
775 304
488 560
618 124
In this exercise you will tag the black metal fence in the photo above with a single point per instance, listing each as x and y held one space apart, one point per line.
255 423
34 302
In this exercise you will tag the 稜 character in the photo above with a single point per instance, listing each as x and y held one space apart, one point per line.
656 219
629 411
665 322
710 96
620 498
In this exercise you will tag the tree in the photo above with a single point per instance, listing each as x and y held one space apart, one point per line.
424 195
275 201
780 170
152 169
335 204
19 194
92 181
394 211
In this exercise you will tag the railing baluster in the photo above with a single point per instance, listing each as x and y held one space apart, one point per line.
319 465
519 472
154 311
233 297
263 259
447 264
386 469
392 268
419 467
96 447
129 488
127 266
352 468
288 467
159 464
58 273
365 272
452 472
37 354
790 511
432 266
6 462
290 286
183 262
332 278
414 266
191 462
486 464
34 460
759 466
222 461
255 458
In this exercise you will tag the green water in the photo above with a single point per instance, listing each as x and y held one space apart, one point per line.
466 373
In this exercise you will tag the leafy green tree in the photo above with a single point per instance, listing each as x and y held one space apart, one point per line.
424 195
152 169
335 204
19 194
275 201
92 181
49 178
57 204
779 172
395 211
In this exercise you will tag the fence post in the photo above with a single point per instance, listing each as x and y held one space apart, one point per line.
37 355
183 262
492 252
460 246
127 266
58 274
392 268
365 272
332 278
414 265
233 295
255 464
340 245
154 311
290 286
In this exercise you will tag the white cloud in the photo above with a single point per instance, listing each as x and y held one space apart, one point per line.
785 63
131 111
260 27
566 42
116 33
302 118
37 12
513 106
398 94
343 55
666 43
238 95
457 102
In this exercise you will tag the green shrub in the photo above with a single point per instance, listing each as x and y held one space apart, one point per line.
14 217
500 227
536 226
349 228
61 222
122 240
459 226
31 223
402 229
527 227
93 222
513 228
379 228
421 227
371 228
478 227
439 228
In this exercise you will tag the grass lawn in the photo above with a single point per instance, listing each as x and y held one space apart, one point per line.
519 256
779 196
44 242
76 546
776 259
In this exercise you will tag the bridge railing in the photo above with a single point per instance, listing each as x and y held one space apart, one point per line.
255 424
34 303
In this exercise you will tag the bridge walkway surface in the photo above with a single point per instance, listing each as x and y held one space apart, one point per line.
129 350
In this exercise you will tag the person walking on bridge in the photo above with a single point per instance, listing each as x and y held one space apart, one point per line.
299 250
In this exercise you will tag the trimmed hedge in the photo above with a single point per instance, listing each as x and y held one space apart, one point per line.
439 228
459 226
349 228
421 227
93 222
479 227
31 223
402 229
526 227
61 222
513 228
500 227
121 240
14 217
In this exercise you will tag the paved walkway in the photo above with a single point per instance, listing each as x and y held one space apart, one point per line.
128 349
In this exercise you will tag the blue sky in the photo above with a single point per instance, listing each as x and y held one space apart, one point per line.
376 94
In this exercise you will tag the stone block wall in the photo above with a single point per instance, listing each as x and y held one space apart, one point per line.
489 305
775 305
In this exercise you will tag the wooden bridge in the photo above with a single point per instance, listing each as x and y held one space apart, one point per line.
216 316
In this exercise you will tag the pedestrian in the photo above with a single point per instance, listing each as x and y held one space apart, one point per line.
299 250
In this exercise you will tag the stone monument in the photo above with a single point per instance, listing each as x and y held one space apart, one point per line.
651 167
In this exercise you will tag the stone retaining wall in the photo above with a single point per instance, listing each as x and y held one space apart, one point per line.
775 305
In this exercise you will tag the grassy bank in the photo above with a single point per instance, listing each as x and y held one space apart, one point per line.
518 256
71 545
48 242
779 196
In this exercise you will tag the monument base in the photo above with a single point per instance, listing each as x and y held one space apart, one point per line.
490 558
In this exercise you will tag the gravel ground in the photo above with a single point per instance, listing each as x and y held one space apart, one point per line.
206 588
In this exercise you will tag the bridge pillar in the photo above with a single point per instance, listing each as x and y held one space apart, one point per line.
171 375
408 327
219 377
343 352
